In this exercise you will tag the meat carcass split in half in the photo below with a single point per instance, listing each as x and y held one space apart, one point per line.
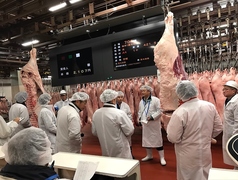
169 63
33 85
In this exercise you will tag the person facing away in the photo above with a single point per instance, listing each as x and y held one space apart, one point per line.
68 135
112 127
63 102
230 118
149 116
191 128
6 129
28 155
19 109
47 119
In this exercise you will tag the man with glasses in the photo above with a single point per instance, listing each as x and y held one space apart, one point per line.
230 118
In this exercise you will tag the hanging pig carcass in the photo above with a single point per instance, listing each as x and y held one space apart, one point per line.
169 63
33 85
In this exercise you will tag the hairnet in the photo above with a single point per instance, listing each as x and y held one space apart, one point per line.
186 90
82 96
63 92
108 95
30 146
44 99
232 84
120 93
21 97
146 87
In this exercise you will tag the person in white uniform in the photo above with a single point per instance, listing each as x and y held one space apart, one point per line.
230 118
191 128
6 129
47 119
149 116
112 127
124 107
68 135
63 102
19 109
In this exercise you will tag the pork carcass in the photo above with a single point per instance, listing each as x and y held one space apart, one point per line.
33 85
205 88
217 88
169 63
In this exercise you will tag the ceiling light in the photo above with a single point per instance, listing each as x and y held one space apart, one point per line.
59 6
30 43
73 1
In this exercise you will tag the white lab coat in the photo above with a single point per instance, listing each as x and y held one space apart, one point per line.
19 110
6 130
68 135
61 103
112 127
230 126
47 122
151 131
191 128
125 107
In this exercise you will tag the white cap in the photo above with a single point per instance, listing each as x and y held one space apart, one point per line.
81 96
232 84
120 93
63 92
108 95
146 87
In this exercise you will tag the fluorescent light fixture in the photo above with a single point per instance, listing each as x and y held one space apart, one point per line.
30 43
59 6
73 1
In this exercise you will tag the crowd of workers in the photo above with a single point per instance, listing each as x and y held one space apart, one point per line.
191 128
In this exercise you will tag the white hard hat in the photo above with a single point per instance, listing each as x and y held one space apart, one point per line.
63 92
232 84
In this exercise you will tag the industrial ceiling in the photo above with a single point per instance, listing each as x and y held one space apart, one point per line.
26 20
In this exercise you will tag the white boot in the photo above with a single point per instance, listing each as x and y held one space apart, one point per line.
149 155
162 160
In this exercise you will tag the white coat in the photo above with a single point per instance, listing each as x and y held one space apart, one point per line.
230 126
125 107
61 103
68 135
47 122
191 128
151 131
112 127
19 110
6 130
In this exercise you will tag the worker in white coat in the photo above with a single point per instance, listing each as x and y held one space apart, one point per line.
47 119
63 102
149 116
68 135
230 118
112 127
19 109
6 129
191 128
124 107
